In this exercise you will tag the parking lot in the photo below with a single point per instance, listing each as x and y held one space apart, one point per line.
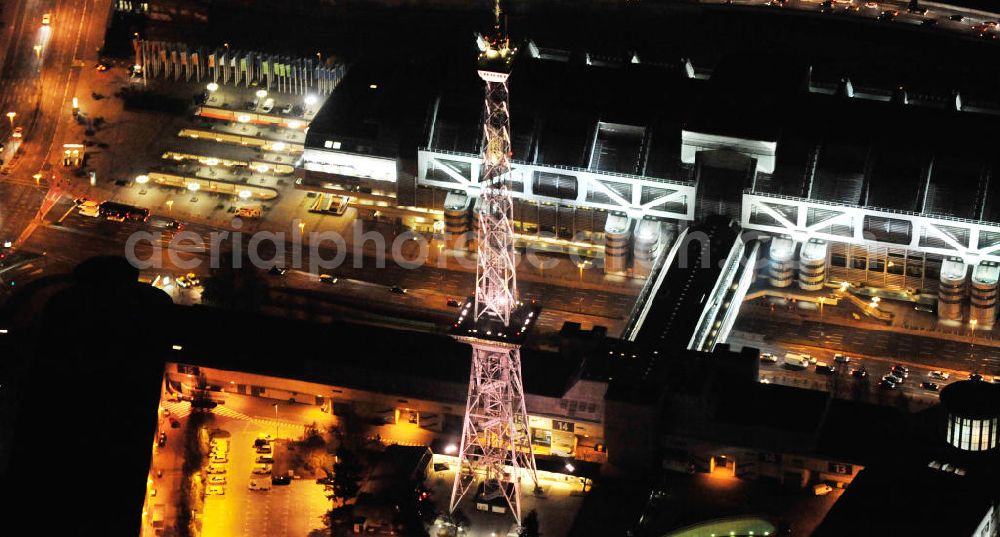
292 510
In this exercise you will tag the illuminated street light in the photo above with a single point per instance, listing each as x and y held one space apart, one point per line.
11 116
212 161
310 100
450 448
245 194
262 168
170 205
570 468
38 51
278 146
294 124
193 187
243 118
142 179
213 87
261 94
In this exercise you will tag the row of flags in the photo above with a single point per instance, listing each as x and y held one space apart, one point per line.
226 66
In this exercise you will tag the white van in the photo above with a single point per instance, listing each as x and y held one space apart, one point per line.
268 105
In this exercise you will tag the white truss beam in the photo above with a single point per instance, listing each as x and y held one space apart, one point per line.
921 227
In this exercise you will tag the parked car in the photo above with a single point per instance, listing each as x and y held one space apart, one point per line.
929 386
901 371
397 290
281 480
18 132
825 369
216 479
822 489
162 439
327 279
768 358
975 376
46 19
454 303
188 280
261 468
215 468
265 459
841 358
938 375
859 373
287 109
886 384
892 378
277 271
215 490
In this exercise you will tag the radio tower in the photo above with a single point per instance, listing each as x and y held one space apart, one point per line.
496 447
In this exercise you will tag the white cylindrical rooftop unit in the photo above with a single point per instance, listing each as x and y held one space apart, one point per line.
781 262
951 290
812 265
983 293
616 238
645 245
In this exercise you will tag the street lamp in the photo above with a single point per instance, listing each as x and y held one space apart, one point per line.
244 194
193 187
310 100
972 344
275 421
278 146
260 95
170 205
212 87
142 179
11 116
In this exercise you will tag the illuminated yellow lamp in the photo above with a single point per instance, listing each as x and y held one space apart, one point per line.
245 194
279 146
294 124
243 118
263 168
142 179
212 162
193 187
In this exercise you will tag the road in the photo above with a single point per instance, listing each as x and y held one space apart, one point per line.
76 238
40 70
841 383
941 14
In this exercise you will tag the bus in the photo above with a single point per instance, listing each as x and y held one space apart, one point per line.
119 212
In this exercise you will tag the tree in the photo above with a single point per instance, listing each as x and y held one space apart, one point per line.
346 474
529 526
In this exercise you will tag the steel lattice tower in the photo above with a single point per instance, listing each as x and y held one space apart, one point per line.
496 445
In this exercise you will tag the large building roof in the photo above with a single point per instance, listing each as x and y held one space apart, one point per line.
618 116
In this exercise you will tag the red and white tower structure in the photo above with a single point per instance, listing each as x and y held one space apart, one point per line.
495 452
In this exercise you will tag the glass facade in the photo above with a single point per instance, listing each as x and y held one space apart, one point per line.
972 434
